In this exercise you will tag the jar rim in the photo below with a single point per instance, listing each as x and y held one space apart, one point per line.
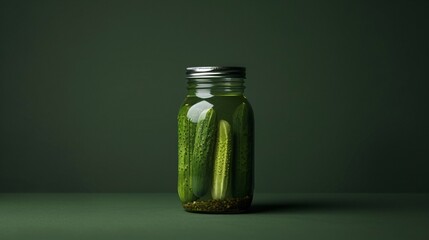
216 72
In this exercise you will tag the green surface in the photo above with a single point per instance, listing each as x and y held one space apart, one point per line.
90 90
160 216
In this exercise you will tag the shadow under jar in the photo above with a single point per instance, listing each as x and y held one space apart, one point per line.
215 142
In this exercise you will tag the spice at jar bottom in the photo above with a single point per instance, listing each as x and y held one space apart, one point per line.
219 206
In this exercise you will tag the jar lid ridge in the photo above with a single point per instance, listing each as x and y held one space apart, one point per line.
216 72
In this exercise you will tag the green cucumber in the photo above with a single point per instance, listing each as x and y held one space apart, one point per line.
222 162
186 132
203 151
242 176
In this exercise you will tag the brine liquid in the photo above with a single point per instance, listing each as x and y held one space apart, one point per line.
224 106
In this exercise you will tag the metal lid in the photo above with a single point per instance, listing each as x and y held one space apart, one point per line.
216 72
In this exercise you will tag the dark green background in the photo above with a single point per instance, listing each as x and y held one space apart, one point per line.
90 91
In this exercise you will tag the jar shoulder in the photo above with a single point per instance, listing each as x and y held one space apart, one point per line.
216 100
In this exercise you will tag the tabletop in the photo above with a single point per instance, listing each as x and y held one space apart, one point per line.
160 216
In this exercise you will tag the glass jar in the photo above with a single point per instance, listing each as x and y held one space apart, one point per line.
215 142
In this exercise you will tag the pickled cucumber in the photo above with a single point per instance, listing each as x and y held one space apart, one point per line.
222 161
186 133
242 176
203 151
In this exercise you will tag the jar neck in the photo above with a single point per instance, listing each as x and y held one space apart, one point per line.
208 87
